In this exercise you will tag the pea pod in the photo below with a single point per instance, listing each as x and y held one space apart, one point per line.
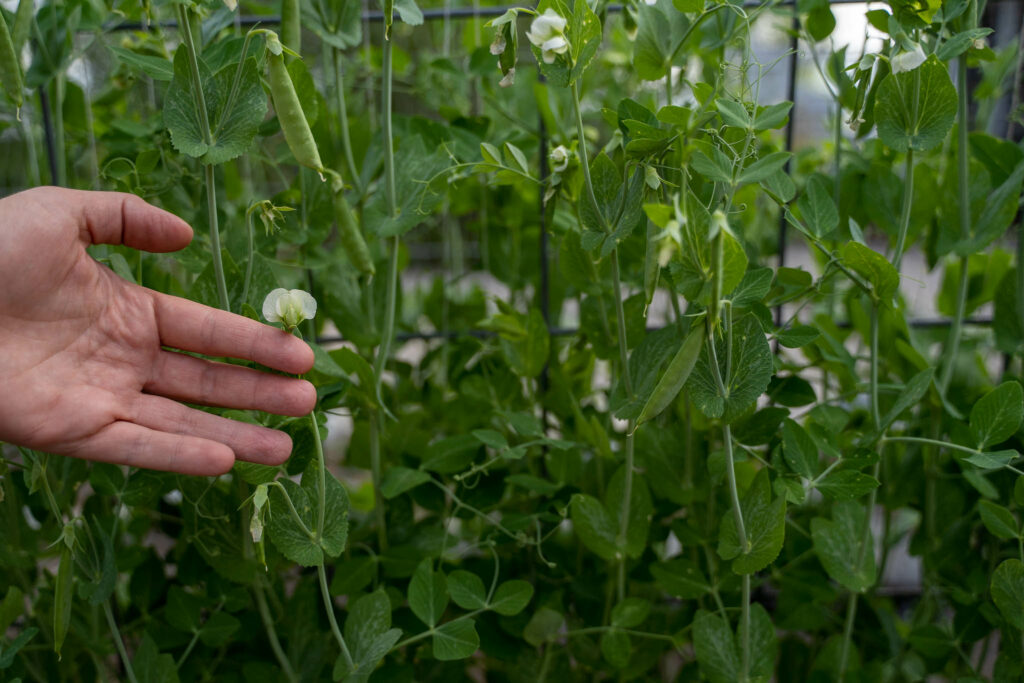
289 112
351 237
291 25
675 375
10 69
62 597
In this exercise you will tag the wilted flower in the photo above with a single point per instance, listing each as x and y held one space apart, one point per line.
508 79
908 60
498 44
547 32
979 43
289 306
559 158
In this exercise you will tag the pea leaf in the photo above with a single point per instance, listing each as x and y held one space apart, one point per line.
467 590
674 377
456 640
397 480
157 68
873 267
680 577
715 648
764 643
799 450
764 521
837 543
428 593
818 208
999 521
594 525
616 648
992 461
763 168
369 635
996 416
640 510
233 124
916 109
295 543
847 484
512 597
750 368
631 612
1007 591
660 31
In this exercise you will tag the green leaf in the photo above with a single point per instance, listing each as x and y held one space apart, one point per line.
999 521
183 610
916 109
489 437
152 667
11 608
294 542
7 654
409 12
543 625
997 415
715 648
660 31
397 480
763 168
233 124
992 461
959 43
680 577
218 629
873 267
733 113
456 640
764 520
512 597
799 450
157 68
674 377
818 208
764 643
911 395
335 533
428 593
467 590
369 635
616 648
716 169
847 484
1008 591
750 366
594 525
773 116
640 510
631 612
837 543
797 336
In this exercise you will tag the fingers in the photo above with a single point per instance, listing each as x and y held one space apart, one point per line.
194 380
125 443
248 442
120 218
191 326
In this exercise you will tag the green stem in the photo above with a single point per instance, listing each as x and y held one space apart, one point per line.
210 180
268 626
329 608
346 142
389 143
584 161
321 479
908 197
119 642
378 497
745 630
956 326
188 649
248 263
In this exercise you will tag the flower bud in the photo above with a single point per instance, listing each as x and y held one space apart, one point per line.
559 158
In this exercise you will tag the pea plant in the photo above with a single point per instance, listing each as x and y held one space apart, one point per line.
658 452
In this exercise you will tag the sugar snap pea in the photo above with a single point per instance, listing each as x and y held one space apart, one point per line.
289 112
351 237
676 374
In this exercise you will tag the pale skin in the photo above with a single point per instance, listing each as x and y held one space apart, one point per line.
83 368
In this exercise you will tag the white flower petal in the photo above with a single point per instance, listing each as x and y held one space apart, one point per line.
306 303
558 45
270 305
908 61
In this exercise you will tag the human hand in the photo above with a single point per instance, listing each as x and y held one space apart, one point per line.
82 370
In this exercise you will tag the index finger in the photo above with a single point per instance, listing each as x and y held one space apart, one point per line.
191 326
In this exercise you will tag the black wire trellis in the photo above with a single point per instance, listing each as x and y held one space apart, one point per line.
469 13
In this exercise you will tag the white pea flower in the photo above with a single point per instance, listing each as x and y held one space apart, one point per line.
909 60
289 306
547 32
231 4
559 158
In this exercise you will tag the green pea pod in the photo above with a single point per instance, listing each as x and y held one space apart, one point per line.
675 376
10 69
22 24
351 236
291 25
289 112
62 598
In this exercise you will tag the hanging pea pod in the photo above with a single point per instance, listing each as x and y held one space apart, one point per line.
289 111
291 25
351 237
10 69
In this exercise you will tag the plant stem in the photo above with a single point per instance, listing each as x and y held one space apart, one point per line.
908 197
955 327
329 608
248 262
268 626
346 142
211 186
745 630
321 479
584 161
378 498
119 642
